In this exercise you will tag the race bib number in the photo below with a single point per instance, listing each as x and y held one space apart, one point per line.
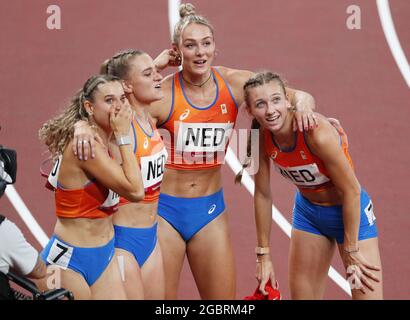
112 200
303 176
203 137
370 214
152 168
60 254
53 176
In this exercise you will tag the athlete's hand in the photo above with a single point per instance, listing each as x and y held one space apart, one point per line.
168 57
120 119
305 119
359 271
84 140
265 272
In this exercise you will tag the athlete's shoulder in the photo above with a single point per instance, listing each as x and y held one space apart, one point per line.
235 79
234 76
324 135
159 110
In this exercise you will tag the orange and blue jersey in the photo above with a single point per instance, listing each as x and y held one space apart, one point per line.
308 172
199 136
299 164
152 155
93 201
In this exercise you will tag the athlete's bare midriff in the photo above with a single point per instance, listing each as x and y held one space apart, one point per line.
191 183
328 197
136 215
84 232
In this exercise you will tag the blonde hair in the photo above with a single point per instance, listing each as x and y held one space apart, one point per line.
188 15
119 64
257 80
57 132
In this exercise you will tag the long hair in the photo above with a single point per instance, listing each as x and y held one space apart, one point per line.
57 132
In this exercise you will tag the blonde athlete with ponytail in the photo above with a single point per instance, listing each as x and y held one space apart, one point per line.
86 192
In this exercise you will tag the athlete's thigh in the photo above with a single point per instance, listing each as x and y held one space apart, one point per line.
212 262
153 276
130 274
109 285
68 279
309 260
369 248
173 249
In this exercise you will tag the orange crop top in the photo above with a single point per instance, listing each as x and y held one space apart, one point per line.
94 201
152 156
299 164
198 137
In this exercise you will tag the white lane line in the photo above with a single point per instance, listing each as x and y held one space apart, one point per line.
392 39
173 14
26 215
247 181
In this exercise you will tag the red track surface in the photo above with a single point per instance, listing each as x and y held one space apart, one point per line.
352 75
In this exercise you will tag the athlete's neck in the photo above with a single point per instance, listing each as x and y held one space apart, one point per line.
285 137
199 81
105 136
139 108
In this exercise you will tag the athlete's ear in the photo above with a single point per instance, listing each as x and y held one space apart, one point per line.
89 107
126 86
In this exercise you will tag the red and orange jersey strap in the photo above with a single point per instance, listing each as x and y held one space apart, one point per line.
199 136
152 155
299 165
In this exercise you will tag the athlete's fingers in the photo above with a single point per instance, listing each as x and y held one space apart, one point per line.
92 145
369 274
262 285
86 149
312 121
371 267
305 120
79 147
273 281
299 121
366 282
75 144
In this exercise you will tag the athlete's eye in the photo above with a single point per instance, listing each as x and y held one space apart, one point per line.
189 45
109 100
276 100
261 104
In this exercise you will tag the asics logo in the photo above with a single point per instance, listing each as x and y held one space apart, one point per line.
212 209
184 115
146 143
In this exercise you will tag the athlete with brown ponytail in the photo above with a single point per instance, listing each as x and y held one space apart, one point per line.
331 207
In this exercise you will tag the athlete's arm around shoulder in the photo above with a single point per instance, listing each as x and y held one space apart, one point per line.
159 110
236 80
324 141
123 179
